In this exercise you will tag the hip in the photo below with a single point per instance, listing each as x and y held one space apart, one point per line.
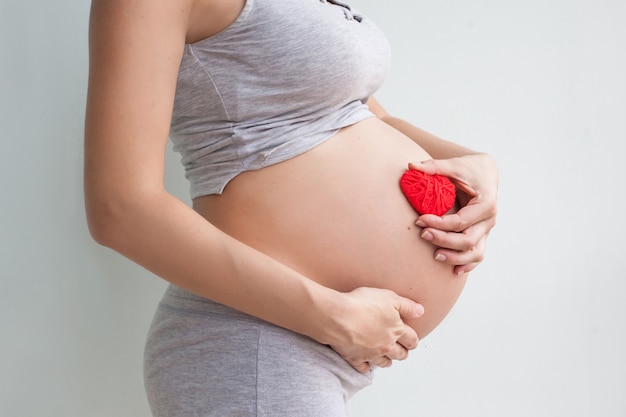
204 357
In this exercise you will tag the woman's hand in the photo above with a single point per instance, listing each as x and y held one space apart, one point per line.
461 236
372 327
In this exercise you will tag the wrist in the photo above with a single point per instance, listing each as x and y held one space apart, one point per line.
329 307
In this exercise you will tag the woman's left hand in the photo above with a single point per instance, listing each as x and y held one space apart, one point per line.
461 236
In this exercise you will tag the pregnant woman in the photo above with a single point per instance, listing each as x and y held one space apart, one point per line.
301 264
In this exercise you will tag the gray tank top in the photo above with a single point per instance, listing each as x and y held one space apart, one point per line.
282 78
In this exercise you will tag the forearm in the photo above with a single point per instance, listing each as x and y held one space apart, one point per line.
436 147
168 238
126 129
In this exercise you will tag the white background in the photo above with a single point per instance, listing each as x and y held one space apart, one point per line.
539 331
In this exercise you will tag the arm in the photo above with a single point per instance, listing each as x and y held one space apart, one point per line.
436 147
461 236
135 51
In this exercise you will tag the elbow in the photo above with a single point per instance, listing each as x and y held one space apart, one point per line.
108 218
118 219
101 222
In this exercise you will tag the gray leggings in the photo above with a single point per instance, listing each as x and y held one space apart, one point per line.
206 359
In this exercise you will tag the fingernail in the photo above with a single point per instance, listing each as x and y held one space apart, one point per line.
427 235
420 223
440 257
420 310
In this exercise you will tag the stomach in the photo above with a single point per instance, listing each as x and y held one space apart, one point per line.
336 214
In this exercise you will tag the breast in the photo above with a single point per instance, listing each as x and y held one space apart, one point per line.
336 214
282 69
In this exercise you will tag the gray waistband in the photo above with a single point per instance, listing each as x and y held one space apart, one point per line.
180 299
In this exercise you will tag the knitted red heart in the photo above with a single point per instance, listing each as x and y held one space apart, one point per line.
428 194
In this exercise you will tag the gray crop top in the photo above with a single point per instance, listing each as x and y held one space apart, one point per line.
282 78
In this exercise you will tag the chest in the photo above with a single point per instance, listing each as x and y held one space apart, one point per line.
287 55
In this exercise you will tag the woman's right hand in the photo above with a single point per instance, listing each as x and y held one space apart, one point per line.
373 326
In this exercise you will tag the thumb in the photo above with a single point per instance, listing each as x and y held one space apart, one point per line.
428 166
409 309
451 168
445 167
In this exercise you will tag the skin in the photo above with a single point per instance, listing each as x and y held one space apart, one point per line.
135 50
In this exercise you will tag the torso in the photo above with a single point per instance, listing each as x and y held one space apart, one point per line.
337 215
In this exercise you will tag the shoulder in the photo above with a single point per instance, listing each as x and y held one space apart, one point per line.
138 20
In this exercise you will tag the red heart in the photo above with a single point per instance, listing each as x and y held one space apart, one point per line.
428 194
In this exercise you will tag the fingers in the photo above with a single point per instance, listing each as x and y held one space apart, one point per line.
408 340
467 216
382 362
377 330
460 237
464 269
468 240
439 166
465 249
475 174
408 309
397 353
458 253
474 255
362 367
452 168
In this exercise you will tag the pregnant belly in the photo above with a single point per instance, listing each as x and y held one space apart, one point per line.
336 214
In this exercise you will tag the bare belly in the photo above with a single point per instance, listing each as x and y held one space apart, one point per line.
336 214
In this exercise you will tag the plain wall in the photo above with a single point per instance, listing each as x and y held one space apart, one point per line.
539 330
